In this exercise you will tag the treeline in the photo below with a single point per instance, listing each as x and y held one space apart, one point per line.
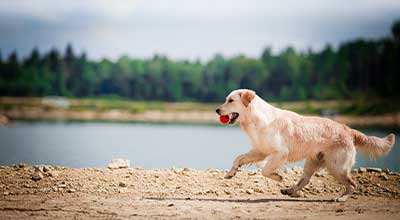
360 68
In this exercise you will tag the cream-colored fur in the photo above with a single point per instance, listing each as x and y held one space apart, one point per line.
283 136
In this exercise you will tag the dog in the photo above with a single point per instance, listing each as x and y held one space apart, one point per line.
281 136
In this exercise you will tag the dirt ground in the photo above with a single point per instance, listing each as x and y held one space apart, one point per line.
46 192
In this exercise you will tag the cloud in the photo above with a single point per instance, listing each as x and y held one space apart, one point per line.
188 28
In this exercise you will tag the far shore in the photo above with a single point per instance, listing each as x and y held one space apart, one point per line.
193 117
12 109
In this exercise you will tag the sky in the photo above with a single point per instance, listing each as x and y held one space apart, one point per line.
189 29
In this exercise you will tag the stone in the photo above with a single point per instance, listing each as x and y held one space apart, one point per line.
4 120
53 173
170 204
249 191
122 184
119 164
252 173
37 176
288 171
258 190
21 165
386 170
71 190
46 168
384 176
362 169
373 169
62 185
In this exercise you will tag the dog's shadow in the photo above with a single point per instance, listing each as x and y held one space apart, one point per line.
265 200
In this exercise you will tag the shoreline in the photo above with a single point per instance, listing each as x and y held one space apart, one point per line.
47 192
186 117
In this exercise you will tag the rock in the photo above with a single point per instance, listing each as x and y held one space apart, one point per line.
118 164
122 184
38 168
252 173
384 176
321 173
249 191
297 169
37 176
53 174
210 170
258 190
71 190
6 193
170 204
62 185
46 168
21 165
227 192
386 170
3 120
362 169
373 169
288 171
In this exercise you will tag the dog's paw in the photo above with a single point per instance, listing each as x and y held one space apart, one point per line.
229 176
276 177
288 191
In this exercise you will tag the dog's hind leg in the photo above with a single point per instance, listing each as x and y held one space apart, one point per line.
310 167
247 158
339 164
274 162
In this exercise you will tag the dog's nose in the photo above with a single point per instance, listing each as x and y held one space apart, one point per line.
217 110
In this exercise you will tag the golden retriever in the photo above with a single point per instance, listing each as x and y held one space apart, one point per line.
283 136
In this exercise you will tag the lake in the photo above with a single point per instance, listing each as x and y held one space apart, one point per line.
94 144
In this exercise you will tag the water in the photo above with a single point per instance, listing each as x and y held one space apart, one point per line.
94 144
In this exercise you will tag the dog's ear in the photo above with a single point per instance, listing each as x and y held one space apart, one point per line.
247 96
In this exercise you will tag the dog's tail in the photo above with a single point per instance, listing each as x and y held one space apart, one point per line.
373 146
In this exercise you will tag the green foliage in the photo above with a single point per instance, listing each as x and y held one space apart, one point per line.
355 69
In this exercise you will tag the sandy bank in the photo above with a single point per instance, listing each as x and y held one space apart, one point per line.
44 192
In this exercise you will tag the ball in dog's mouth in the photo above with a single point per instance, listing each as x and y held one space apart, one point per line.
231 118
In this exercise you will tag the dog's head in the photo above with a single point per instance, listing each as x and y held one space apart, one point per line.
236 104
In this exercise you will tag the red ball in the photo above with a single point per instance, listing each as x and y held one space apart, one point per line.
224 119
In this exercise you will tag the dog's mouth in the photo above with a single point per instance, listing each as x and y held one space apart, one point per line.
232 117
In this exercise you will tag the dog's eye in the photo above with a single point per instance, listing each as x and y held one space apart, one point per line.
230 100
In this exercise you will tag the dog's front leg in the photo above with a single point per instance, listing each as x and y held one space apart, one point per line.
274 162
247 158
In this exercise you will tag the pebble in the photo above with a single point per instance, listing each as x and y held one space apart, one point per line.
6 193
122 184
362 169
37 176
252 173
71 190
53 173
170 204
119 164
249 191
288 171
373 169
384 176
46 168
